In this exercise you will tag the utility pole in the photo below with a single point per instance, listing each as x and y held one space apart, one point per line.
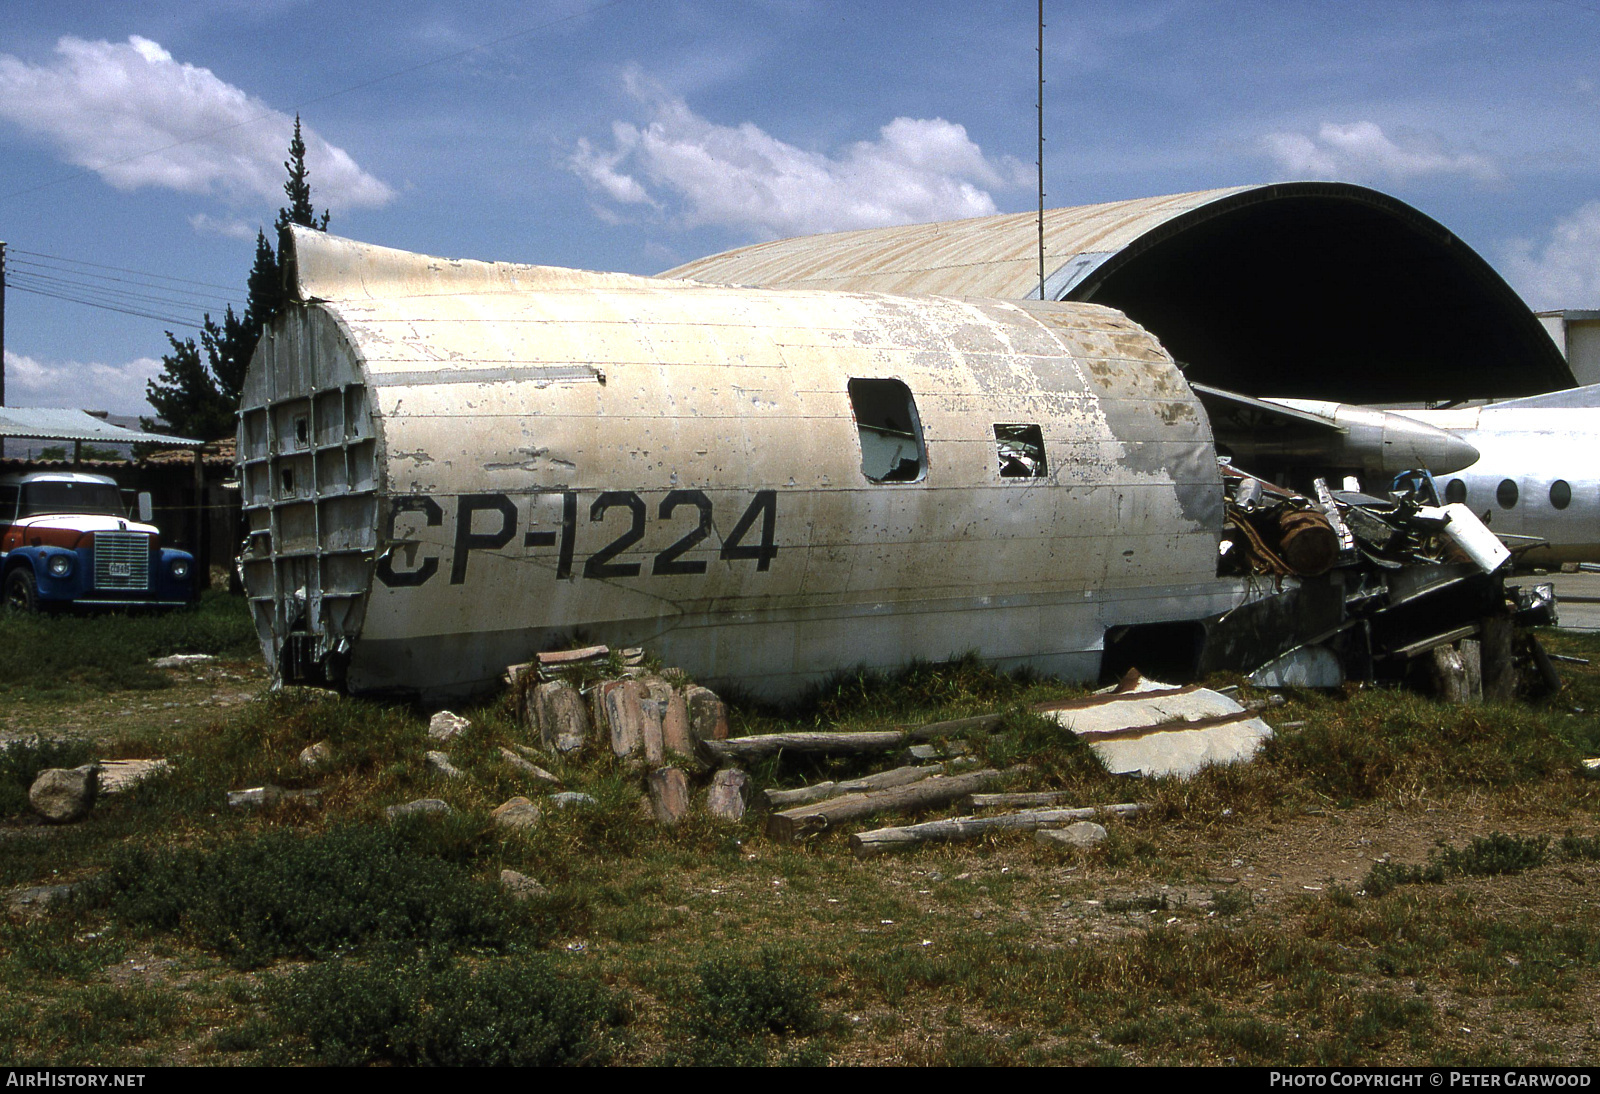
1041 149
2 323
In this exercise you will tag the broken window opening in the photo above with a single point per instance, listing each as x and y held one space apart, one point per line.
1455 492
1506 493
1021 451
890 431
302 430
1560 494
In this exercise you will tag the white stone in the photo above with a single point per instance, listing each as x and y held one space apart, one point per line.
440 764
316 755
568 798
521 886
63 795
446 726
119 775
532 770
421 806
1081 834
517 813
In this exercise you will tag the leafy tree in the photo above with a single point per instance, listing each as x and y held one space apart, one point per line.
197 393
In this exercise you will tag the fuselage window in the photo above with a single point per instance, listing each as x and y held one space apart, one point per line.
1560 494
1506 493
890 431
1455 492
1021 451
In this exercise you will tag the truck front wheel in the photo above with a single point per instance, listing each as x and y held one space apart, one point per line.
22 592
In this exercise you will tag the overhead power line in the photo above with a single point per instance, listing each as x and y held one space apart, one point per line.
120 269
13 284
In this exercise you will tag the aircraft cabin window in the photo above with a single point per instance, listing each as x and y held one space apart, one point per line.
1455 492
1560 494
1021 451
890 431
1506 494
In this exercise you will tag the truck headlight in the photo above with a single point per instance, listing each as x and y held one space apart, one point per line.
60 565
180 568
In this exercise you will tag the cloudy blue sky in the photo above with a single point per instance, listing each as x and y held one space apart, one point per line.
637 134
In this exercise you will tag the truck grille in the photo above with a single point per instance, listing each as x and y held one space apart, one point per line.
121 560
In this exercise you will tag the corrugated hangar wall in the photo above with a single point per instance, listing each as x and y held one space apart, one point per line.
1309 290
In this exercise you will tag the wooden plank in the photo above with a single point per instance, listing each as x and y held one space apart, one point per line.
804 820
881 840
897 776
825 742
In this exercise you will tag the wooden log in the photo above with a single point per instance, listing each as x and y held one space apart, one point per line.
878 841
1499 659
804 820
1012 801
845 744
883 780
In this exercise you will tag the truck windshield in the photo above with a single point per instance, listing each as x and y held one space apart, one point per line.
41 498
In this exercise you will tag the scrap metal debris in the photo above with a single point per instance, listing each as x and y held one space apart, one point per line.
1150 728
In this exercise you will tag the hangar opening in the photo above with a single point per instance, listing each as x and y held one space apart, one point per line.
1302 290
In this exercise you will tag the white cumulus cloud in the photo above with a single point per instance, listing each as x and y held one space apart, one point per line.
136 117
700 173
1362 151
117 388
1562 270
227 227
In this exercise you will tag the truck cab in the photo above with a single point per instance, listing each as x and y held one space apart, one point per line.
67 539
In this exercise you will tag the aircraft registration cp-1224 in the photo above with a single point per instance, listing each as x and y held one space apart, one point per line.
450 465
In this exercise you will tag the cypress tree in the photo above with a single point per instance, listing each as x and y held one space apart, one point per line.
198 391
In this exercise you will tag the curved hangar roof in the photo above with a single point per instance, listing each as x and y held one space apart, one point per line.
1311 290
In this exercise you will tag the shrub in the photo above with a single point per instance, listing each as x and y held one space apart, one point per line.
507 1012
283 895
1496 853
741 1009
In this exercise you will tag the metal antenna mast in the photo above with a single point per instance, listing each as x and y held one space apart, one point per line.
1040 162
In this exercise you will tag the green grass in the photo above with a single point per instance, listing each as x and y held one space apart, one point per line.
332 936
63 654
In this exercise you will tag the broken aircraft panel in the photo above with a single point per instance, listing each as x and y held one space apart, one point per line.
448 466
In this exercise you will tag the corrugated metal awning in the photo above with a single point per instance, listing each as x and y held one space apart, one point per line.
51 423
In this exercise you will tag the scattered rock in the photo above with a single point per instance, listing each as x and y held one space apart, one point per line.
420 807
517 813
62 795
1081 834
119 775
37 899
521 886
446 726
653 712
317 755
669 794
180 660
440 764
708 715
532 770
259 797
730 788
568 798
559 716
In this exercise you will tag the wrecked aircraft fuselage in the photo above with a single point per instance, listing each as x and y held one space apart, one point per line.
447 466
